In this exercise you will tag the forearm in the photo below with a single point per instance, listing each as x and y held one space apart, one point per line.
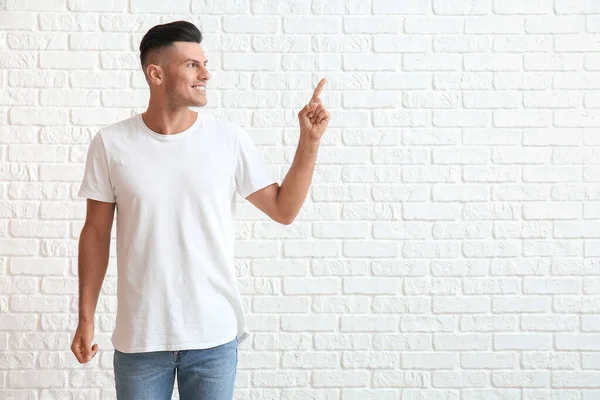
296 183
94 249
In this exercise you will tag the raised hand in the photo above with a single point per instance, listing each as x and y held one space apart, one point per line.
314 117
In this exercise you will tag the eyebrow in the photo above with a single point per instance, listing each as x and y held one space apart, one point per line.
196 61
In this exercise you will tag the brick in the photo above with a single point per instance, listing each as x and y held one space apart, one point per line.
37 153
417 99
357 394
403 379
576 43
543 24
408 80
521 379
433 25
296 286
461 44
338 267
431 62
345 7
36 116
528 81
34 229
95 116
494 24
459 379
330 304
285 7
340 44
371 25
90 5
381 249
462 7
119 61
522 118
18 97
36 379
314 323
456 118
99 79
520 44
249 62
576 7
517 7
37 41
337 378
354 230
410 7
94 41
461 342
465 80
289 44
497 62
68 22
387 230
17 20
244 24
415 118
280 379
17 59
36 5
18 134
225 7
313 25
37 79
554 99
67 97
60 60
156 6
128 22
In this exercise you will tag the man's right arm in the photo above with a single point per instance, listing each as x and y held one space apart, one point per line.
94 249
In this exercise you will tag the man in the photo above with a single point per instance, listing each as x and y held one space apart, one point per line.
172 174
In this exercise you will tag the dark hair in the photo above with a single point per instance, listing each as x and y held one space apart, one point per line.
166 34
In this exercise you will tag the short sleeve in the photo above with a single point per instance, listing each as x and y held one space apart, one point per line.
96 183
251 173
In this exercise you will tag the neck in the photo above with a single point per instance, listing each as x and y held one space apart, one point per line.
168 121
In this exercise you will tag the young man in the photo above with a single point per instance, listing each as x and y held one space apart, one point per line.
172 174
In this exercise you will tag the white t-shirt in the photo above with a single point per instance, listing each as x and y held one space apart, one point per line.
175 205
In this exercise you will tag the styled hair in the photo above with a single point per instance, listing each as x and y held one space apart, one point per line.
166 34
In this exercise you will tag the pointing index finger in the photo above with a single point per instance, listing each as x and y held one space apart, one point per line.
319 89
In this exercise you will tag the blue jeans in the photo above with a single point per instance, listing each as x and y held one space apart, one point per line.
206 374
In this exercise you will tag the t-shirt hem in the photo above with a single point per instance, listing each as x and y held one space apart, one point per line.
86 194
175 347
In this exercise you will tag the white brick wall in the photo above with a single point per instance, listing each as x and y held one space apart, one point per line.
448 248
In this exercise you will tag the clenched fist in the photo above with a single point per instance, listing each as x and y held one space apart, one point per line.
82 341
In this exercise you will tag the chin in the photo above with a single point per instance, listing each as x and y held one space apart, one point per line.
197 103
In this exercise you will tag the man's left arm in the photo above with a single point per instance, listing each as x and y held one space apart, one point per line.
283 203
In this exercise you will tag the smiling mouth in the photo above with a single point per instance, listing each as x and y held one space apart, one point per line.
200 88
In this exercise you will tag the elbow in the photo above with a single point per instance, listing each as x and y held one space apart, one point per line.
286 219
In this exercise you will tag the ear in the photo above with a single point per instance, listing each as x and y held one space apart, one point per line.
154 73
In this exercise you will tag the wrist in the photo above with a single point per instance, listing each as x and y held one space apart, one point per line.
86 319
306 137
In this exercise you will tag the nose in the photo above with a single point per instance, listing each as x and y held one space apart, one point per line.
204 75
